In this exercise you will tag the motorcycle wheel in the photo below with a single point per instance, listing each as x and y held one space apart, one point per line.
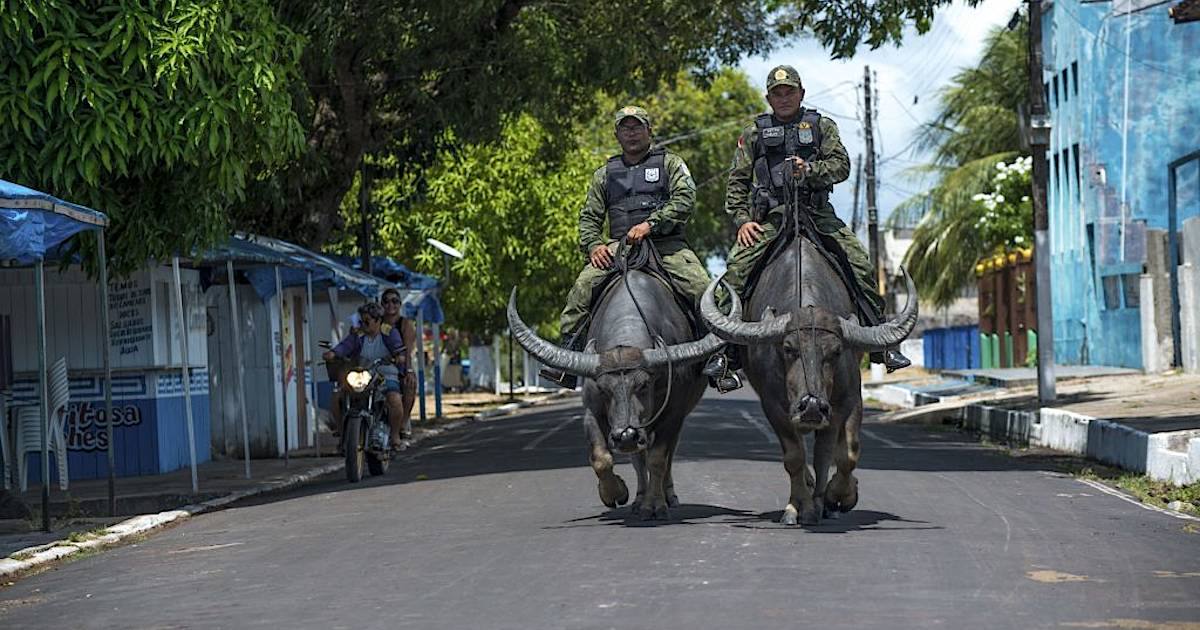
355 440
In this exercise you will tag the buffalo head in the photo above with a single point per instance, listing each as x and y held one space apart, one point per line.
629 384
810 344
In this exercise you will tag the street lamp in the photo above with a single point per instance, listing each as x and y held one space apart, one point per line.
448 252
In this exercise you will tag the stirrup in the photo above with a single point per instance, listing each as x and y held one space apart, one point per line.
727 383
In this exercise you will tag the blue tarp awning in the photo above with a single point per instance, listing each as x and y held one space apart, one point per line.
34 223
324 269
426 301
393 271
421 292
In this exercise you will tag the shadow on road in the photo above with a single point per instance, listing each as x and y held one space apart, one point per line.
852 521
718 430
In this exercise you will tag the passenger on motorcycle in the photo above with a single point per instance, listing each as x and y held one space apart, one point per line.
371 343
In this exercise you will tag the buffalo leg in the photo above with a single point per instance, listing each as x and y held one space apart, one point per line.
613 491
794 461
669 483
638 460
842 492
823 446
654 505
800 504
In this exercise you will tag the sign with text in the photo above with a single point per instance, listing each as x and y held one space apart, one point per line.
131 322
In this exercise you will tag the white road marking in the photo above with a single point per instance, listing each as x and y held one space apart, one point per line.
758 424
1153 508
879 438
542 438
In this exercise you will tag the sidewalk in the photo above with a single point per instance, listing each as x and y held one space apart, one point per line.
1142 423
80 521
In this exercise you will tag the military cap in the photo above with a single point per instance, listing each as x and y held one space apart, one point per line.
632 111
783 75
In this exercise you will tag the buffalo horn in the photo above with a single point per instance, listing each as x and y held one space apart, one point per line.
888 334
572 361
731 327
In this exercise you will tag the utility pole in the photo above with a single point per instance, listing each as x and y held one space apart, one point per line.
1039 128
872 210
855 217
364 207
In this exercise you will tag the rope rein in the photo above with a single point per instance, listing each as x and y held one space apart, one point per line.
643 254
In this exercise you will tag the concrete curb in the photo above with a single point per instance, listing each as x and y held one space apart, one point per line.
41 556
1171 456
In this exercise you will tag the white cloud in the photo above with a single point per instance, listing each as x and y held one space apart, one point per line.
918 68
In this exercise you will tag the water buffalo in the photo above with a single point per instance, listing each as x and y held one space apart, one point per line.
638 390
802 357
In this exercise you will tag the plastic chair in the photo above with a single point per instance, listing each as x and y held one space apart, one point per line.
29 428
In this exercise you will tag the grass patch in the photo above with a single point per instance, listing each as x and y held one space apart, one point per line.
1159 493
1145 489
84 536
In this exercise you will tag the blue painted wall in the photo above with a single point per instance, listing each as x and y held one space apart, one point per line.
1109 151
953 348
150 434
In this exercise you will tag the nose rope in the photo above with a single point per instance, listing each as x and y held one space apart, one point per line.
623 267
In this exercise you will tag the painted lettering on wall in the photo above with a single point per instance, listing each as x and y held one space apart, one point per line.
86 429
129 306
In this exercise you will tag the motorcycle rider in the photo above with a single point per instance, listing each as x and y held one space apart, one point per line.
370 342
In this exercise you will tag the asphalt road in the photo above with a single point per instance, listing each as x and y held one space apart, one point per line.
499 526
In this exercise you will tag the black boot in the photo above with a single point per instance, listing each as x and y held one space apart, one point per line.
721 370
891 359
561 378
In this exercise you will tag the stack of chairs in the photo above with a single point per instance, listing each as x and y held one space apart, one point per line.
29 427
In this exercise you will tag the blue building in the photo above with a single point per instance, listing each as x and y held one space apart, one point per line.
1122 85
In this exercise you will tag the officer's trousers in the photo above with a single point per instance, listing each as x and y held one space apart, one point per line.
678 259
741 261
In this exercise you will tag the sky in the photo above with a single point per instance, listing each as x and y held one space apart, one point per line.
921 66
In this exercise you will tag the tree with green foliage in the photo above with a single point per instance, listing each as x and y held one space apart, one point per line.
511 213
512 206
158 114
409 79
394 77
975 129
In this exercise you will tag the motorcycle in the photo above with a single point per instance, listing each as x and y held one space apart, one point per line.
365 428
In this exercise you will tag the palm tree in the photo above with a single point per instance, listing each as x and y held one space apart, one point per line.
976 126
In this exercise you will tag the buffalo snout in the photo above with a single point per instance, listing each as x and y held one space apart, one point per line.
629 439
811 411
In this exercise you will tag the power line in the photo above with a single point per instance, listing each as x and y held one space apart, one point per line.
905 108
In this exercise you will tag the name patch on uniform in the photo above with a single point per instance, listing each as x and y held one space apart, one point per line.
652 175
772 132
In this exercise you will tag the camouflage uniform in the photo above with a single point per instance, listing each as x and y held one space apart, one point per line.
832 167
667 222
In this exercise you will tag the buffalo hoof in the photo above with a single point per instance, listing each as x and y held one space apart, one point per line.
842 493
614 492
811 515
672 500
654 511
789 516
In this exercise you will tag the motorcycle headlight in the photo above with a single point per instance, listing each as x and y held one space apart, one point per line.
358 380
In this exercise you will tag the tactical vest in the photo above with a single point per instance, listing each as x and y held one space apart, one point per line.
634 192
776 142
